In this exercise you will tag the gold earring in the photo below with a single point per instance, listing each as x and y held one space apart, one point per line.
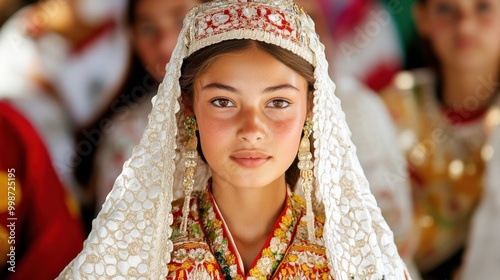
190 154
306 175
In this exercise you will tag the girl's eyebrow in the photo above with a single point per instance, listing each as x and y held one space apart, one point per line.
234 90
280 87
220 86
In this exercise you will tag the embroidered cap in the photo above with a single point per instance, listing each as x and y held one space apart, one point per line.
248 19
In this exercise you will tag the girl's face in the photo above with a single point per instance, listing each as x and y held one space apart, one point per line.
250 109
464 34
156 28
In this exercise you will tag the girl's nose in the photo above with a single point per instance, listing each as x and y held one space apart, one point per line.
252 126
465 22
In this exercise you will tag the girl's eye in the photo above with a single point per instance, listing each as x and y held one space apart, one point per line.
222 102
147 30
483 6
279 103
444 8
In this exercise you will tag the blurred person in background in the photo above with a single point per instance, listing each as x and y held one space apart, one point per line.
375 138
445 116
155 26
39 219
61 64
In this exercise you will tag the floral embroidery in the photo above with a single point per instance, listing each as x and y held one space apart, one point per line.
206 253
216 238
248 17
271 256
191 257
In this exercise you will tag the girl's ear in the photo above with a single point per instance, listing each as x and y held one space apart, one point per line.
421 20
188 105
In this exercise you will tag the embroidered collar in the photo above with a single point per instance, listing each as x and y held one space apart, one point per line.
220 241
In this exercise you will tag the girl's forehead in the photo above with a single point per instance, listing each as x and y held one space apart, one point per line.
247 63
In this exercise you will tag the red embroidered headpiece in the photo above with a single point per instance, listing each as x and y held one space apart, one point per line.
259 20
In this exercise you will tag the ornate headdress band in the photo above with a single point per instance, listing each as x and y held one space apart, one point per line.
214 22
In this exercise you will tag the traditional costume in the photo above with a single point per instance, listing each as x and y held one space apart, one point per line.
142 234
447 151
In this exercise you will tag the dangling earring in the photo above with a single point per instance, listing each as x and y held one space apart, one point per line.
306 176
190 154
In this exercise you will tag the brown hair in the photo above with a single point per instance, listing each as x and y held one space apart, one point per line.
194 65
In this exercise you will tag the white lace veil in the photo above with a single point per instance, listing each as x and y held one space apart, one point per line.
130 236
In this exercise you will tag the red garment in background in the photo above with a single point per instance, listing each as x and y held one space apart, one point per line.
48 231
366 41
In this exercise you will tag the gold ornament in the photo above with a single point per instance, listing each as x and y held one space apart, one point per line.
306 175
191 154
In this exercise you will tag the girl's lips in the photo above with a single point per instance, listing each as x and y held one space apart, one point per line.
465 43
250 162
249 158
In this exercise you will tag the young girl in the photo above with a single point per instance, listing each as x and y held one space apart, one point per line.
248 101
446 117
